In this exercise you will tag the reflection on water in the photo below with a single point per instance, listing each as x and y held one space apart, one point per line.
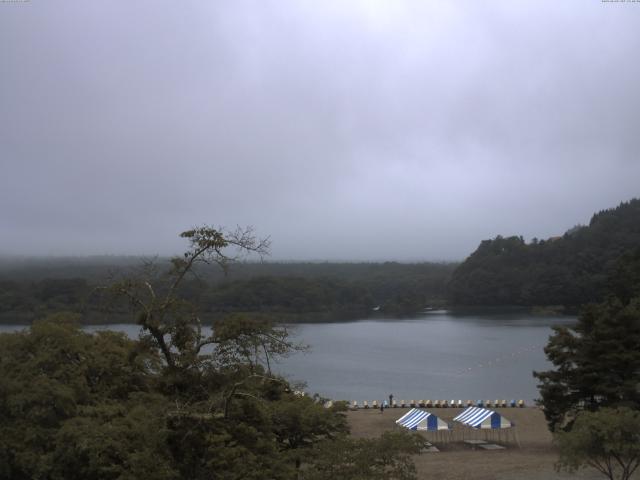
435 356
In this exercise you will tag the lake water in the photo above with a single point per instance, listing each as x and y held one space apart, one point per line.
434 356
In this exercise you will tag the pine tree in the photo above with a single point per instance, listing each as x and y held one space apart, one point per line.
597 363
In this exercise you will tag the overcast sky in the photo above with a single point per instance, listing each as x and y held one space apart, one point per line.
345 130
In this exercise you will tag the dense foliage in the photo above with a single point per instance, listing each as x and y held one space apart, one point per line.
75 405
607 440
597 361
290 291
591 398
99 406
388 457
177 403
570 270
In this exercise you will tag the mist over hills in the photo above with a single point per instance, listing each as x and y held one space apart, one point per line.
568 270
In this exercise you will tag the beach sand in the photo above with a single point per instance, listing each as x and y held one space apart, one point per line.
534 459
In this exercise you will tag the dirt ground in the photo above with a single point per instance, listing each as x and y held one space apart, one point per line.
532 459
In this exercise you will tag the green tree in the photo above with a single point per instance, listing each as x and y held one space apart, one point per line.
625 281
300 423
180 402
607 440
53 374
568 270
172 324
597 363
122 440
384 458
253 341
229 403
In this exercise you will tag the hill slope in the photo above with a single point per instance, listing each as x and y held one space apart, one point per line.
570 270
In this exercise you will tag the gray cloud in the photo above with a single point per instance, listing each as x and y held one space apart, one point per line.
345 130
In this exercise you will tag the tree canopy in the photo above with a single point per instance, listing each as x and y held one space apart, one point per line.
179 402
290 292
607 440
597 362
570 270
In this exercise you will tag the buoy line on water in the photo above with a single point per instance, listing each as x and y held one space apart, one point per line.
500 359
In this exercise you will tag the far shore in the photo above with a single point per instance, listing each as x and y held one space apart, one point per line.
95 318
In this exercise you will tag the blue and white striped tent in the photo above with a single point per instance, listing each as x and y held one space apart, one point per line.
416 419
477 417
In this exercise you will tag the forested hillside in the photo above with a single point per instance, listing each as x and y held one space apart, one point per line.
570 270
33 288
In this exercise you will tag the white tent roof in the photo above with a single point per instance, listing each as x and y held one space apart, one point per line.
416 419
477 417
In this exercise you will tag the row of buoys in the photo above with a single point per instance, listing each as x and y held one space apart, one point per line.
440 404
490 363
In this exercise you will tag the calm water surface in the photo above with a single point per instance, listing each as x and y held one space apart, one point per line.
435 356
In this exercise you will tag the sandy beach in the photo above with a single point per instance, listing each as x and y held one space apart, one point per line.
533 459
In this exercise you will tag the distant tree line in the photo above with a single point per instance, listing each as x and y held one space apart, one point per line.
287 291
570 270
